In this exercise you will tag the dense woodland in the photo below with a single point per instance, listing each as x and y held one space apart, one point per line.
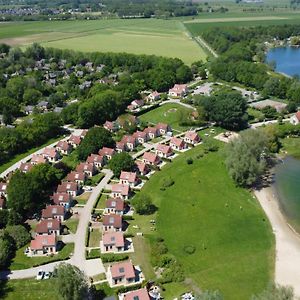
242 55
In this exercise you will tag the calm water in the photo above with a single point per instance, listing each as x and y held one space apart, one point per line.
287 60
287 186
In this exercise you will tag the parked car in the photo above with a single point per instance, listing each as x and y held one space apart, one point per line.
40 275
47 275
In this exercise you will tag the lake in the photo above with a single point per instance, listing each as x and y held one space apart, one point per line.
287 187
287 60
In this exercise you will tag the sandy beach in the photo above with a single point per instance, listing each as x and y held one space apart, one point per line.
287 265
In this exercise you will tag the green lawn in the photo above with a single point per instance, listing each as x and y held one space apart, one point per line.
101 202
83 198
255 115
291 146
72 224
141 36
29 289
170 113
18 157
21 261
204 209
71 160
94 238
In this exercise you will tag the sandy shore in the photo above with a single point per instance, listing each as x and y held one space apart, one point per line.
287 265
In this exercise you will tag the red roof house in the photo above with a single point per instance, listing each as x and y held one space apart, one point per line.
96 159
63 199
192 137
122 273
141 136
142 168
3 188
88 169
75 140
64 147
120 191
51 154
130 141
38 159
163 128
107 152
151 159
163 150
78 177
68 187
43 244
54 212
47 227
178 90
113 242
112 222
140 294
25 167
129 178
177 144
114 206
152 132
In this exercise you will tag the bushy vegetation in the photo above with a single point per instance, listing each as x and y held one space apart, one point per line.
143 204
121 162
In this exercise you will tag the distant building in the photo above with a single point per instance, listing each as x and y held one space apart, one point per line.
295 119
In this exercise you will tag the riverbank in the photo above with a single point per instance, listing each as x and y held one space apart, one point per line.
287 271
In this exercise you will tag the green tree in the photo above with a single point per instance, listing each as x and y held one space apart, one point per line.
143 204
95 139
246 157
31 96
228 110
275 292
19 234
71 283
6 249
121 162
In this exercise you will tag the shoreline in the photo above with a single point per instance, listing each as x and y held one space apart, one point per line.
287 241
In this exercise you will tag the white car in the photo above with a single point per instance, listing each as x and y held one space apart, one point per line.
40 275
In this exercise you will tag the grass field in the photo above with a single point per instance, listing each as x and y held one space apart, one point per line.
291 146
144 36
170 113
204 209
28 289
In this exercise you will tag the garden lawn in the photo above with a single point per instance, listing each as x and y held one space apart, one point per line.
21 261
94 238
72 224
29 289
233 241
292 146
83 198
170 113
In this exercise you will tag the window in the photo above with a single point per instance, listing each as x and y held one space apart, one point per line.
121 270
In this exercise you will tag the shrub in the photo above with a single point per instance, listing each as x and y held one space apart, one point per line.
106 258
189 161
126 289
166 182
94 253
189 249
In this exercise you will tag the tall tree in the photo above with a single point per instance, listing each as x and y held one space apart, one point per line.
121 162
71 283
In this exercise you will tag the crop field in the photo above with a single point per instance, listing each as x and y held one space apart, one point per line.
144 36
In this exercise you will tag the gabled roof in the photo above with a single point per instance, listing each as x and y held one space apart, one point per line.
117 204
75 139
123 269
45 225
38 159
140 134
192 135
67 186
163 148
3 186
142 166
112 220
107 151
25 167
113 238
50 152
83 167
61 197
298 115
151 157
63 145
42 241
73 176
140 294
162 126
53 210
128 139
95 158
177 141
130 176
120 188
178 88
150 130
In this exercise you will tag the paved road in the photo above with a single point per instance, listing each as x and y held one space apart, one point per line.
259 124
177 101
90 267
27 158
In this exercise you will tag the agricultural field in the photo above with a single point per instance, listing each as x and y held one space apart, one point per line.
231 237
144 36
170 113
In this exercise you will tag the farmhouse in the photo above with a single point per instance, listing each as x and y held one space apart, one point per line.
295 119
129 178
110 126
122 273
177 144
129 141
120 191
78 177
151 159
141 137
112 223
47 227
51 154
88 169
63 199
25 167
112 242
107 152
114 206
192 137
140 294
54 212
154 96
142 168
120 147
152 132
3 188
38 159
43 244
163 151
64 147
75 140
68 187
97 160
163 128
178 90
